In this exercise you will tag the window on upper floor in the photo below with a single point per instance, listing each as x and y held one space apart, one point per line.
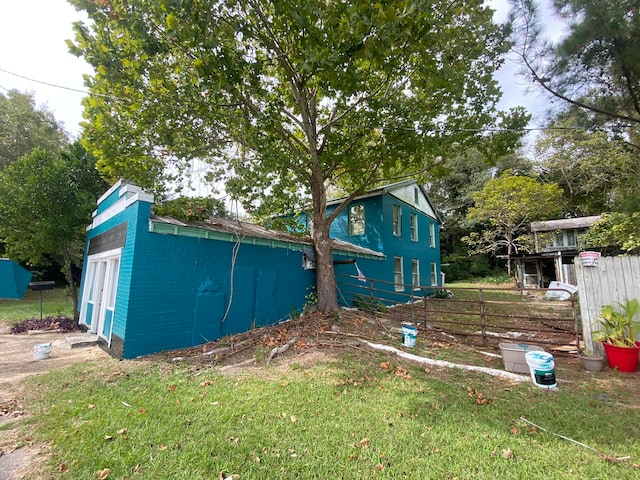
397 220
559 239
571 238
432 235
356 219
416 195
414 226
415 272
398 274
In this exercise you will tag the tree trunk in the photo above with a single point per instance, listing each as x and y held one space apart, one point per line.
68 274
509 252
325 275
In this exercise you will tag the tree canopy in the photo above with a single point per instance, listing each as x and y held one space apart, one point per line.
46 202
507 205
595 168
24 127
596 66
286 98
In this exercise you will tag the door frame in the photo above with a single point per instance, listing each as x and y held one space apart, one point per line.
101 283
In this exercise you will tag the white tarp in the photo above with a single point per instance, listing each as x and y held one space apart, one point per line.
564 293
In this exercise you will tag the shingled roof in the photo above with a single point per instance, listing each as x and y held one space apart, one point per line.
246 231
564 224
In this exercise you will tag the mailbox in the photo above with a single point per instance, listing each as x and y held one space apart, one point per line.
39 286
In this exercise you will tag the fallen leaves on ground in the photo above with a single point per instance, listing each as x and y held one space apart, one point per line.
104 473
478 396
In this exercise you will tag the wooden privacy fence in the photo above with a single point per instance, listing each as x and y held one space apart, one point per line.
484 314
611 281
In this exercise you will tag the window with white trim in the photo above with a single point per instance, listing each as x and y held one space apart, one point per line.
398 274
356 219
434 274
397 220
413 224
415 272
432 235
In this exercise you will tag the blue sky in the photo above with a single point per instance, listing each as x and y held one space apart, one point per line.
32 39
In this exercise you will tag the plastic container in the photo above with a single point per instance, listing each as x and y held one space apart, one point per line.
542 369
409 334
624 359
513 356
41 351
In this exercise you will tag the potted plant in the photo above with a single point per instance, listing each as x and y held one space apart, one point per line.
592 362
617 333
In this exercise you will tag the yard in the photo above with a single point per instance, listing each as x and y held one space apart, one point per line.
330 407
54 302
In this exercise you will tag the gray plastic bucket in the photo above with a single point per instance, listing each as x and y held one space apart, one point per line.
41 351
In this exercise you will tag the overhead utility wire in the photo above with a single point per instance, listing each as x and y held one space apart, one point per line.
408 129
77 90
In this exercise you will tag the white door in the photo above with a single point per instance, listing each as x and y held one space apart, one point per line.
99 294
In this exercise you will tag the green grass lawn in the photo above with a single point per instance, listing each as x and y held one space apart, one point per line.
363 416
54 302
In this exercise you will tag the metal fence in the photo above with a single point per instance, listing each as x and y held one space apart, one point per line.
484 315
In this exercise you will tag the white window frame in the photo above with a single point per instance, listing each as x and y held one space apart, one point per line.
356 219
415 272
434 274
397 220
432 235
413 223
398 274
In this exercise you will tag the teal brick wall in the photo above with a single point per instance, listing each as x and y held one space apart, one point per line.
179 290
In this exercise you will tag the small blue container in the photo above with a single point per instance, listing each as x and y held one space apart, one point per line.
409 334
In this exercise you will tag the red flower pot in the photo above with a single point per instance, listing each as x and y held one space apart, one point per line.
625 359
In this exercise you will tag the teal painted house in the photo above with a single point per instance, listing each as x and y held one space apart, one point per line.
14 280
155 283
399 221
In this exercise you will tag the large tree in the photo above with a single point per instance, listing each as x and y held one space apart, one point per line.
596 66
505 207
25 126
286 98
46 202
595 168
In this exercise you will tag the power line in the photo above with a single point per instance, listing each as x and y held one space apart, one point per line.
469 130
71 89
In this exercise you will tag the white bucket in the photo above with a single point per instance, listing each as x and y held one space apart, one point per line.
41 351
409 334
542 369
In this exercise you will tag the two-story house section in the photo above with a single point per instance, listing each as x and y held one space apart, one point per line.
400 221
557 242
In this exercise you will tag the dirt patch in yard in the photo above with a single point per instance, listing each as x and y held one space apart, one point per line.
18 457
321 338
